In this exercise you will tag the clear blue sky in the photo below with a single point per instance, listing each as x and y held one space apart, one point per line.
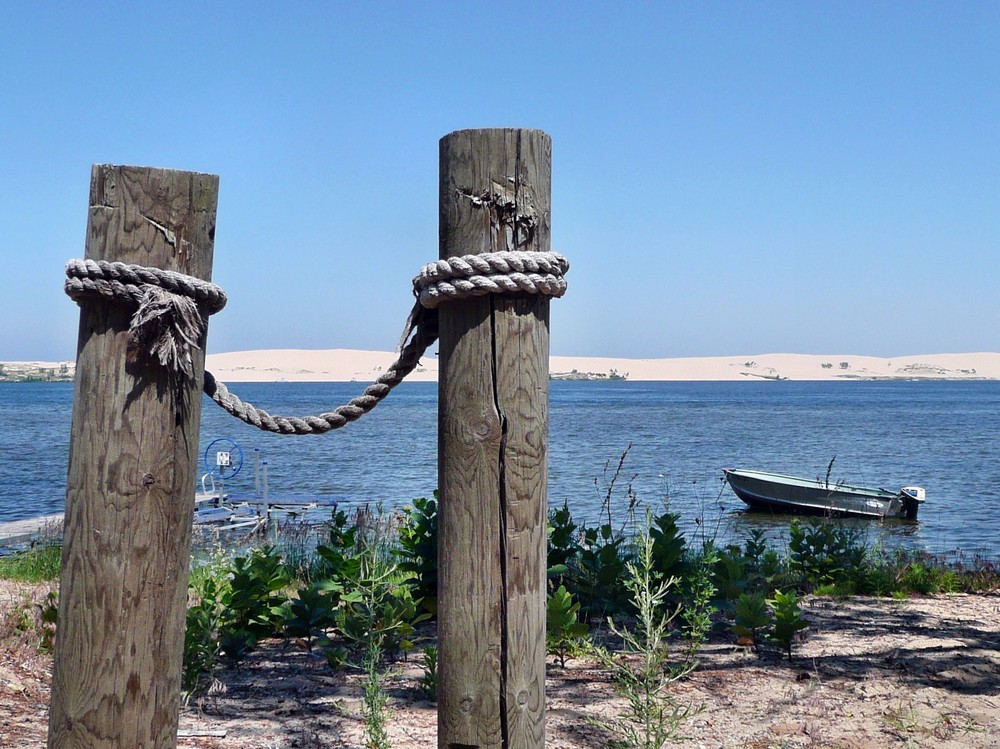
728 178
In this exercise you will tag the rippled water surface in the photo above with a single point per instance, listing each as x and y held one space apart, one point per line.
944 436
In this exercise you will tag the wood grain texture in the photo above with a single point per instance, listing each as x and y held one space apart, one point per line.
493 437
130 485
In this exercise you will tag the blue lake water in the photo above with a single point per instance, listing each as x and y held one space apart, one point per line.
944 436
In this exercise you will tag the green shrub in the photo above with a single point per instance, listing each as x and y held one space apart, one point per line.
201 634
418 549
787 619
376 603
563 546
310 614
669 547
825 552
255 599
730 573
752 620
642 671
601 571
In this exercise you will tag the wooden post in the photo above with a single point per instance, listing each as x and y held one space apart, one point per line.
493 450
130 488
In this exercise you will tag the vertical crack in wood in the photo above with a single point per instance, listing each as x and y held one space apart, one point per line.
502 494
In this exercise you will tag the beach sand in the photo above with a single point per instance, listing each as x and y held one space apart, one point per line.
346 365
352 365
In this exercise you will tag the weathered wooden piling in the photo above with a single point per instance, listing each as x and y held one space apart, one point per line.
493 450
130 487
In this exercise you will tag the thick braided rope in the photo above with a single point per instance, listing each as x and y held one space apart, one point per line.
452 278
87 278
491 273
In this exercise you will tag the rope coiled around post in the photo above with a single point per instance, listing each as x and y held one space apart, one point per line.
174 306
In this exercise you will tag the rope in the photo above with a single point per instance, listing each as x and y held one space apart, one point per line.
169 320
492 273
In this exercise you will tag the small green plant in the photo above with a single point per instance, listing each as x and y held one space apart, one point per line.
235 644
653 716
752 620
699 606
418 549
429 678
32 621
730 573
374 703
668 547
201 635
48 617
563 544
787 619
342 545
563 630
601 571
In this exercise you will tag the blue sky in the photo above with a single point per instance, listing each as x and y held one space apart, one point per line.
728 178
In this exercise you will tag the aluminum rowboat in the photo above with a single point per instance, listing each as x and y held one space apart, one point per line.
779 493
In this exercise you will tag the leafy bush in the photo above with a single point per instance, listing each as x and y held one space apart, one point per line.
255 599
310 614
730 573
201 634
669 547
563 545
825 552
418 549
376 603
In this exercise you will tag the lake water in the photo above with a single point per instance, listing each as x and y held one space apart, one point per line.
944 436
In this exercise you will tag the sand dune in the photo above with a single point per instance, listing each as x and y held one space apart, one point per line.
351 365
345 365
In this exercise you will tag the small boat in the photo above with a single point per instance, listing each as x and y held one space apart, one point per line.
780 493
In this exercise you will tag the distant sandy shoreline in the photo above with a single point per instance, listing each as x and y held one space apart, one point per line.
351 365
345 365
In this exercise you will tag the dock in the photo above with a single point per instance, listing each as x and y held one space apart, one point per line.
18 532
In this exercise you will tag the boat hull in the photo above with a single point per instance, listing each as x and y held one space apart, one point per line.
789 494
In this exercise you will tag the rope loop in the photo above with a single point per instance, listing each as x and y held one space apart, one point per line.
114 280
491 273
171 307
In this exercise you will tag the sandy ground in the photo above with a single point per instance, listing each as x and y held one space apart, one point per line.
347 365
869 673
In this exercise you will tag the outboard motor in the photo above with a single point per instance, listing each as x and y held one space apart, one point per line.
913 497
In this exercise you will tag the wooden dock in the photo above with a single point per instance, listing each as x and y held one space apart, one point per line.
25 531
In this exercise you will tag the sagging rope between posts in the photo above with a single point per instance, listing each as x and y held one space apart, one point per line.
172 309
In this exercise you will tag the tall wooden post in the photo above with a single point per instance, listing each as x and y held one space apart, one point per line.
130 488
493 450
